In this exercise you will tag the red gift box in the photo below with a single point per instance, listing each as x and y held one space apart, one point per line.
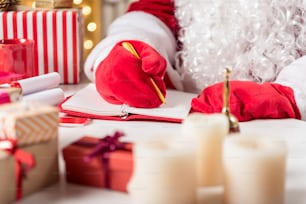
58 36
105 163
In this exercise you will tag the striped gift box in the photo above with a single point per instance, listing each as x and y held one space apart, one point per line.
29 123
58 36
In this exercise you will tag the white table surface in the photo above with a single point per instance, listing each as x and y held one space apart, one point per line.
292 131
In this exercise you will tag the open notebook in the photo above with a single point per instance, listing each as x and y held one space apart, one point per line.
88 103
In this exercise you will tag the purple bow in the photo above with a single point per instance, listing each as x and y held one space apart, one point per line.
104 147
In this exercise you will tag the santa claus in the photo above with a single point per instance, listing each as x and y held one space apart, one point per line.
186 44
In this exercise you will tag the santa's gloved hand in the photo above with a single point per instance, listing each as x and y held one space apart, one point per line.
249 100
123 78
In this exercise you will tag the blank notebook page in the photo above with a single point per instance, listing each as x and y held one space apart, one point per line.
88 100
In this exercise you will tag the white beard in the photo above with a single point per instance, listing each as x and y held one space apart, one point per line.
256 39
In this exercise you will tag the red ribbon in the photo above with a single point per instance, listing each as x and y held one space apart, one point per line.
24 162
15 84
66 120
104 147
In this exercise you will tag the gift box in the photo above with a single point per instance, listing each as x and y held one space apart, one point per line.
19 181
28 122
46 169
58 36
104 163
53 3
7 178
9 95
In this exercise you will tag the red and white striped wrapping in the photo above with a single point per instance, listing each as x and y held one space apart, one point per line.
58 36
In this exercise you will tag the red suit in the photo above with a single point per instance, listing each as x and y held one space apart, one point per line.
186 44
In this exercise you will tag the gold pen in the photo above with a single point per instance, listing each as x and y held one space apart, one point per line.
128 46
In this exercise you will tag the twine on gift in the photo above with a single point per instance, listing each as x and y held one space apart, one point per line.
104 147
24 162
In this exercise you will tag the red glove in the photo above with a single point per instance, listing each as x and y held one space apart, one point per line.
122 78
249 100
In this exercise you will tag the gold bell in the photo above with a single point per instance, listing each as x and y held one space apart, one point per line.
233 122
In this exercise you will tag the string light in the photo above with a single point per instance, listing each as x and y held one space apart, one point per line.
92 18
88 44
86 10
91 27
77 2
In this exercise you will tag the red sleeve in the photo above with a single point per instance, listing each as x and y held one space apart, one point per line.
162 9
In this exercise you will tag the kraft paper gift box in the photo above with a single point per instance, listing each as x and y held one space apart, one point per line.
34 128
9 95
85 164
46 169
28 122
44 173
53 4
7 178
58 36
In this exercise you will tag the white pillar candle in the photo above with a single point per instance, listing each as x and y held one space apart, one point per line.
163 174
207 132
255 169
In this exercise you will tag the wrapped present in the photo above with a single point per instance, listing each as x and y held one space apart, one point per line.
58 36
28 169
53 4
28 122
104 163
46 170
9 95
7 178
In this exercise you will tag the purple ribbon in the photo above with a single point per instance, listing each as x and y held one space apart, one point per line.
104 147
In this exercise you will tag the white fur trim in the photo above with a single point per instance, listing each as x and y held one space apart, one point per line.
139 26
294 76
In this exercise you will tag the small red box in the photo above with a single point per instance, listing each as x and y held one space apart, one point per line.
117 171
